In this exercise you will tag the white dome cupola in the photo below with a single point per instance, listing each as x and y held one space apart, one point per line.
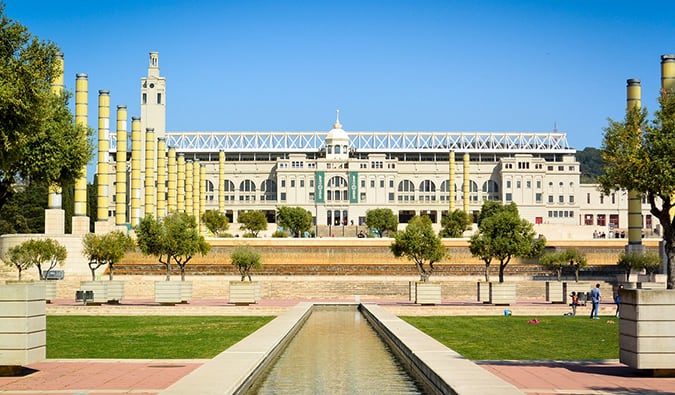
337 141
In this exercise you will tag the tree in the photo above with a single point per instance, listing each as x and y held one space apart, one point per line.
503 235
44 254
173 239
640 156
107 249
296 219
577 260
215 221
454 224
39 140
651 263
559 259
24 211
253 222
381 221
245 259
419 244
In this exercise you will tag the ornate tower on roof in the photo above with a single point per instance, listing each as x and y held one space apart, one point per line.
153 98
337 141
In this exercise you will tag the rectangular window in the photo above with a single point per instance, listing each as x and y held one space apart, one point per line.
561 199
602 220
302 183
528 184
159 98
311 183
538 197
144 99
508 184
311 196
550 198
363 196
372 183
381 183
508 197
602 199
283 196
391 183
518 184
292 183
588 201
588 219
391 196
571 198
363 183
538 184
283 183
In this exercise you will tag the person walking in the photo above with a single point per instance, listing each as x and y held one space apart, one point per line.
575 303
617 300
595 301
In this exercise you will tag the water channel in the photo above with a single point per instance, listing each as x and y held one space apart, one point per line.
336 352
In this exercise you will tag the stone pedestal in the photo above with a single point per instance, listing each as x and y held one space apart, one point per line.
100 289
243 292
483 291
502 294
186 291
114 290
427 293
80 225
23 326
647 330
556 292
168 292
50 290
55 221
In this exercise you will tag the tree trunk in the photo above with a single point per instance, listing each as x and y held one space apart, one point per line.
182 273
110 271
168 271
93 274
559 271
502 266
487 272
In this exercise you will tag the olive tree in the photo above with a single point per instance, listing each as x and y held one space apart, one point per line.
381 221
215 221
503 235
245 259
454 224
639 155
296 219
107 249
44 254
419 243
20 257
253 222
558 260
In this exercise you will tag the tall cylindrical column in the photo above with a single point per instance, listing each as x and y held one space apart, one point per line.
136 144
180 183
202 196
466 185
196 181
121 168
149 171
451 182
81 118
668 73
221 181
633 101
54 199
189 192
172 180
161 177
103 147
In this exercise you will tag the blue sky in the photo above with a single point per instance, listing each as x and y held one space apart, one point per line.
521 66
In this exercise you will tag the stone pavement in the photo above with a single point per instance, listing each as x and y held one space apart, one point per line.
146 377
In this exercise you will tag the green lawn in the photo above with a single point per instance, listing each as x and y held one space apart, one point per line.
477 338
513 338
161 337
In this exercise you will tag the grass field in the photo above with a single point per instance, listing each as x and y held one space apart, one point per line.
183 337
514 338
161 337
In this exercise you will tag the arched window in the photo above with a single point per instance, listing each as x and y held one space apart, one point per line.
337 149
406 191
473 191
247 190
228 190
337 189
269 189
427 191
210 196
490 190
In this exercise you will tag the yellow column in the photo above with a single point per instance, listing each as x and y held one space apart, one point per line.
668 73
202 195
195 190
102 168
121 168
54 199
221 181
171 186
451 182
189 179
80 220
149 171
161 177
465 186
633 100
136 145
180 184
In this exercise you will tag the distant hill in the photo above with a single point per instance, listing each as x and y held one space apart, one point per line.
590 164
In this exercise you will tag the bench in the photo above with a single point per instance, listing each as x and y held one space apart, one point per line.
54 275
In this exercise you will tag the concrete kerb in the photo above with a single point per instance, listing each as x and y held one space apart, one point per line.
447 371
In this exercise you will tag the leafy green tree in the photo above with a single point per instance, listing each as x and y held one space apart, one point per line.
107 249
44 254
454 224
503 235
381 221
39 140
590 164
577 260
24 211
245 259
639 156
173 239
480 247
419 244
651 263
215 221
296 219
630 261
253 222
558 260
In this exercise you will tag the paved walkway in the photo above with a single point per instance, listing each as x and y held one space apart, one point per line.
149 377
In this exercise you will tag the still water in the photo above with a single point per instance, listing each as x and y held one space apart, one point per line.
336 352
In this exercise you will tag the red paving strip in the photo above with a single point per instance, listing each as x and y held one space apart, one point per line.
86 376
607 377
